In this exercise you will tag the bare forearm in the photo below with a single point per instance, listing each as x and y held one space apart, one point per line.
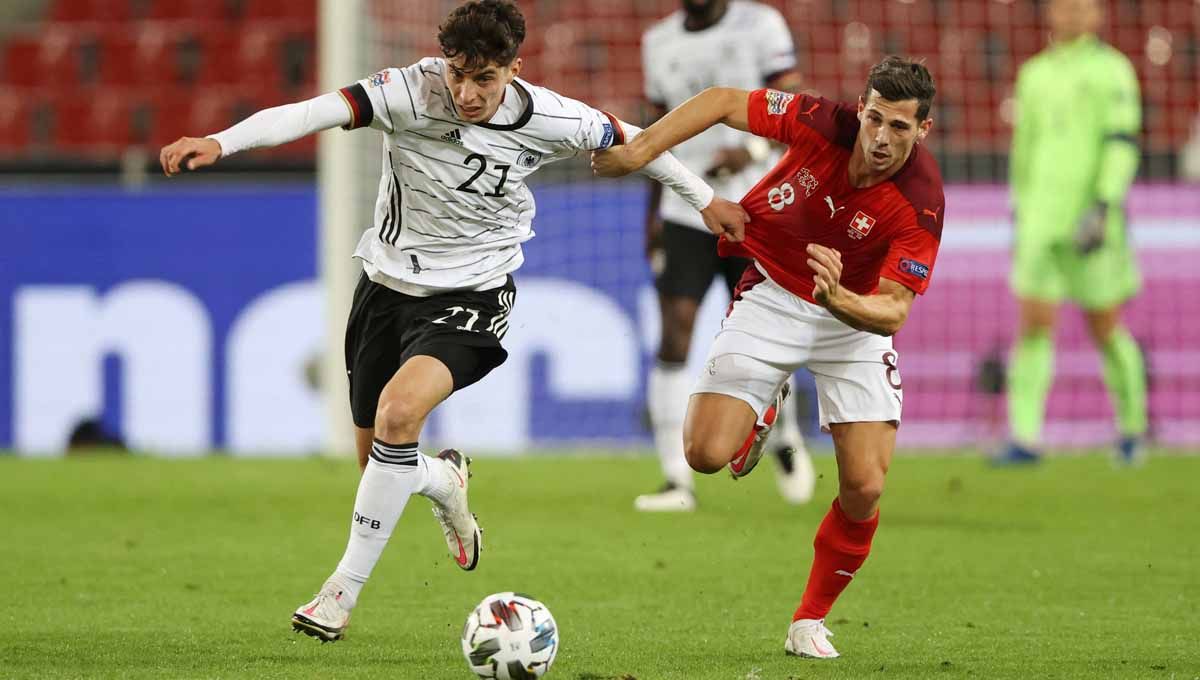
712 106
878 314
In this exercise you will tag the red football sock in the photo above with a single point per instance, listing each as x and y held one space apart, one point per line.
842 545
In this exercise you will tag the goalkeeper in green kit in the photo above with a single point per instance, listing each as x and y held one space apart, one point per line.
1073 159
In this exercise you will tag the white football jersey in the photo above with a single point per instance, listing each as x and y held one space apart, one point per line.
747 46
453 208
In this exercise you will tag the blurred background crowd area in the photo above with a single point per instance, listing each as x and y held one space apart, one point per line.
85 83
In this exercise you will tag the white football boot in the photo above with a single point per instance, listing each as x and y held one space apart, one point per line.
797 484
326 617
744 462
670 498
464 538
809 638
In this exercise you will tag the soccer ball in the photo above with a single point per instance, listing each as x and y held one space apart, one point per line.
510 637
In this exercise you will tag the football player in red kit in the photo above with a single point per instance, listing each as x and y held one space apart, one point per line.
843 232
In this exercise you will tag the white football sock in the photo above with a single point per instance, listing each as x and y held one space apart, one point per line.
393 474
439 481
667 395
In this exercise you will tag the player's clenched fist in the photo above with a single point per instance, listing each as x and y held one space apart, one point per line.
188 153
726 219
826 264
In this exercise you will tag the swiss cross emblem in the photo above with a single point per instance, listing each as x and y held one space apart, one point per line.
861 225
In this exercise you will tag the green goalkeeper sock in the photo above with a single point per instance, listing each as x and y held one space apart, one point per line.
1030 372
1125 376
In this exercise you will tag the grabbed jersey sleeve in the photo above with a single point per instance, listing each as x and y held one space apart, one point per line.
776 115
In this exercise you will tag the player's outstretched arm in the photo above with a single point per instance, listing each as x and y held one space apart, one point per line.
723 218
269 127
714 105
882 313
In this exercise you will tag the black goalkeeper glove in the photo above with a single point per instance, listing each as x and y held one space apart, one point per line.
1089 234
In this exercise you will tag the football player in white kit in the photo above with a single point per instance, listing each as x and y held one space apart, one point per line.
730 43
461 134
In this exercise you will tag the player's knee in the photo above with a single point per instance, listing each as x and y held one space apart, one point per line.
703 456
859 497
1037 319
397 418
1101 327
1033 330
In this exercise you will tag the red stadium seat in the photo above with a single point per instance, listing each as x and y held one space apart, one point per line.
70 131
101 124
72 11
193 10
112 124
92 10
14 121
190 112
220 64
281 9
20 62
273 56
119 62
60 60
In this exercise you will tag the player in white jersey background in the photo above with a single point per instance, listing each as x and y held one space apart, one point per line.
461 134
731 43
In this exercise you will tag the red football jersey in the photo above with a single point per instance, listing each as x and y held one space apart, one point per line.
891 229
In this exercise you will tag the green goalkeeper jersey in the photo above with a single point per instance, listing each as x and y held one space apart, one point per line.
1075 137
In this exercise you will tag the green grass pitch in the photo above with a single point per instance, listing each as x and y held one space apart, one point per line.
139 568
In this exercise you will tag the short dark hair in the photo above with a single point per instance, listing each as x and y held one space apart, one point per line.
898 79
484 31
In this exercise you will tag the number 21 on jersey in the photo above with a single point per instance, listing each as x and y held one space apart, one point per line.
498 192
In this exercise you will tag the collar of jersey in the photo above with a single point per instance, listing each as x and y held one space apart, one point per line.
524 117
1083 42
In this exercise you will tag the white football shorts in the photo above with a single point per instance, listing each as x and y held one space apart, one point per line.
769 333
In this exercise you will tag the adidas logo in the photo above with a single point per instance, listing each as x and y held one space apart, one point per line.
454 137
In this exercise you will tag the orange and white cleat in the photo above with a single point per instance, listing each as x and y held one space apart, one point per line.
464 538
747 458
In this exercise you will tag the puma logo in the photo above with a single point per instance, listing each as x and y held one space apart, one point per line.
811 110
832 210
931 213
